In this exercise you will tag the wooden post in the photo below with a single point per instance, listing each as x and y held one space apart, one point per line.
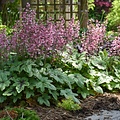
83 13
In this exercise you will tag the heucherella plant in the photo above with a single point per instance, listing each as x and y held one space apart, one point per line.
32 38
115 47
93 38
4 44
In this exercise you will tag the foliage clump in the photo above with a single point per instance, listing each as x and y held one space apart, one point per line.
114 17
69 104
34 39
18 114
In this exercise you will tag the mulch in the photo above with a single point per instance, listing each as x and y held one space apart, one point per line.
89 106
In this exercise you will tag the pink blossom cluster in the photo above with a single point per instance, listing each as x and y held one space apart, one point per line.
4 44
35 38
115 47
93 38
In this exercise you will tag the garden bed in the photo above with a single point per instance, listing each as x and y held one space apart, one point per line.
90 106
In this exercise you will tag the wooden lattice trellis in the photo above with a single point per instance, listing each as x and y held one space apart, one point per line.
56 8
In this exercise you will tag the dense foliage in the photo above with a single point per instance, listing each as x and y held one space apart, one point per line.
18 114
39 61
114 16
101 9
9 11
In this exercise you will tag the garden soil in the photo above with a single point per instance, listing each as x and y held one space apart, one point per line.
93 108
99 107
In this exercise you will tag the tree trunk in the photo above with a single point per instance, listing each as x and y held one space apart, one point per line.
83 13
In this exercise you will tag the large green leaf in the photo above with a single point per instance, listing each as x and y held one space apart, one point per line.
43 83
29 93
117 71
16 66
44 99
99 63
61 77
54 93
98 89
79 79
10 91
57 75
104 79
4 81
2 98
21 83
67 93
27 66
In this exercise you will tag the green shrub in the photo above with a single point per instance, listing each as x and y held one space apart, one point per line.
114 16
74 75
69 104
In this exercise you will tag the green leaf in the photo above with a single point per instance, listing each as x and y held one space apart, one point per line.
50 86
57 75
15 98
10 91
37 73
98 89
44 99
2 98
40 85
100 64
27 66
61 77
16 66
43 83
4 81
55 94
20 84
68 93
78 78
104 79
29 93
117 72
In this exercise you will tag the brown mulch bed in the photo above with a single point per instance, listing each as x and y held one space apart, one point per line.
89 106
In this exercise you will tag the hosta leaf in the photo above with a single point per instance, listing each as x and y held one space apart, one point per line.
77 64
117 86
20 84
109 87
98 89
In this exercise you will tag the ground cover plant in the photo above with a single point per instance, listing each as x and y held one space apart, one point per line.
18 114
38 61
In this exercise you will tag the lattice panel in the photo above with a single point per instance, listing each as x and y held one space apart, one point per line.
56 8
